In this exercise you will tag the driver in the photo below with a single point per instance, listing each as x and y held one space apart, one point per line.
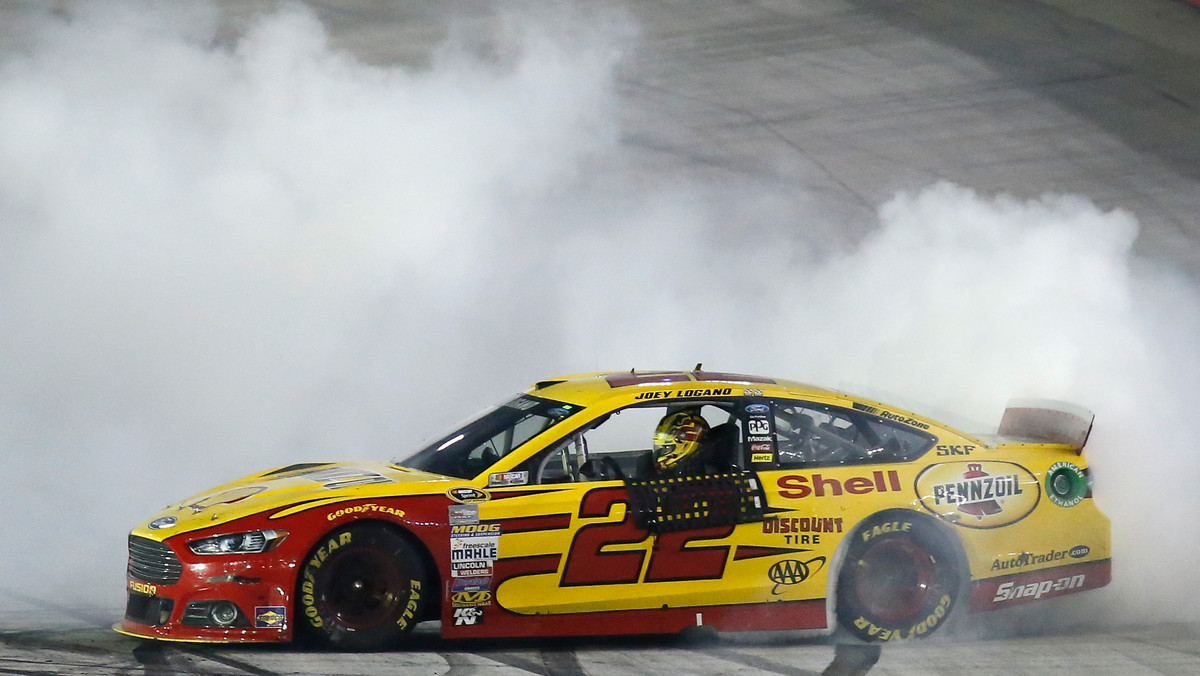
677 442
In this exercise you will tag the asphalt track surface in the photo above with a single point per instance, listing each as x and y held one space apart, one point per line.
851 99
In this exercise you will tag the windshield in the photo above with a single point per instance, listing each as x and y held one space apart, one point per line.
477 445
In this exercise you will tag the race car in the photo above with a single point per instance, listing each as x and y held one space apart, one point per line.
638 502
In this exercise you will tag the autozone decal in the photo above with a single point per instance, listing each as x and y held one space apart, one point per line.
818 485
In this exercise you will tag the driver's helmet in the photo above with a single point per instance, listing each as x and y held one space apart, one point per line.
677 438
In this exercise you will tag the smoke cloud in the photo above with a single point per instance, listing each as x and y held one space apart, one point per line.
220 256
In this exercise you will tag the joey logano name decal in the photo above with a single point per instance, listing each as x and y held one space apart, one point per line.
984 494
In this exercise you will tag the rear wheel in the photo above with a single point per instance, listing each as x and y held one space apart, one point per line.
900 579
362 587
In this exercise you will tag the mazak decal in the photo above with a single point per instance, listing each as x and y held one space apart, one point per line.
984 494
818 486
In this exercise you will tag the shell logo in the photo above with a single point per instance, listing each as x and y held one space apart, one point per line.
982 494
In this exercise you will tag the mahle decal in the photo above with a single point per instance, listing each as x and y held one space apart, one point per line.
984 494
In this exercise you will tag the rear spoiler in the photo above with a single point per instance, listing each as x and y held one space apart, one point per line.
1055 422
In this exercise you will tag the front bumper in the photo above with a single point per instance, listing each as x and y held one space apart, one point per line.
179 596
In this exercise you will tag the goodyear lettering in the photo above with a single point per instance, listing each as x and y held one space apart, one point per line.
364 509
307 596
1035 590
978 489
143 588
410 609
955 450
880 529
1027 559
818 485
926 625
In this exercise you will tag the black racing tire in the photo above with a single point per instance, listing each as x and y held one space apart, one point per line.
362 587
900 579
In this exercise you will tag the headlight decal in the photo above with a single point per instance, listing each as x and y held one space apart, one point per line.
252 542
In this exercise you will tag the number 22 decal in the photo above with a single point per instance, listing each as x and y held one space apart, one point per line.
588 563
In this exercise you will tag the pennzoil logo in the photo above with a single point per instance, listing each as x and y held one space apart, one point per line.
984 494
468 495
471 599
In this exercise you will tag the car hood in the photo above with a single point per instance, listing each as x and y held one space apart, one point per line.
287 490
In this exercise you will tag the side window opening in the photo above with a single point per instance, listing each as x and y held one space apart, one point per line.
619 445
819 435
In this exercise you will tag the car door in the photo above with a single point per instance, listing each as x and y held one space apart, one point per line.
598 545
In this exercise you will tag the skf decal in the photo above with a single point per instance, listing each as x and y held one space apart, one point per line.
984 494
467 495
270 617
369 508
793 571
468 617
954 449
818 486
471 599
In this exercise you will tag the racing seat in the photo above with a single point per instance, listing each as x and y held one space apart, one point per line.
721 448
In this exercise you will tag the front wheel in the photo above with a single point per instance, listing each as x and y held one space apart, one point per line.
362 587
900 579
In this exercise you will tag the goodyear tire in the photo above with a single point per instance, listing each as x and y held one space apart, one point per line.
900 579
362 587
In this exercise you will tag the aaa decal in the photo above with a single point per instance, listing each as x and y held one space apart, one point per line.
985 494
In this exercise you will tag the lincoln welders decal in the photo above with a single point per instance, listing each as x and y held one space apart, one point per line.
984 494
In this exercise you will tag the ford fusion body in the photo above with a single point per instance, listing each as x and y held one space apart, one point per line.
801 508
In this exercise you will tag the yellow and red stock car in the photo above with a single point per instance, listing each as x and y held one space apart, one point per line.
804 509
